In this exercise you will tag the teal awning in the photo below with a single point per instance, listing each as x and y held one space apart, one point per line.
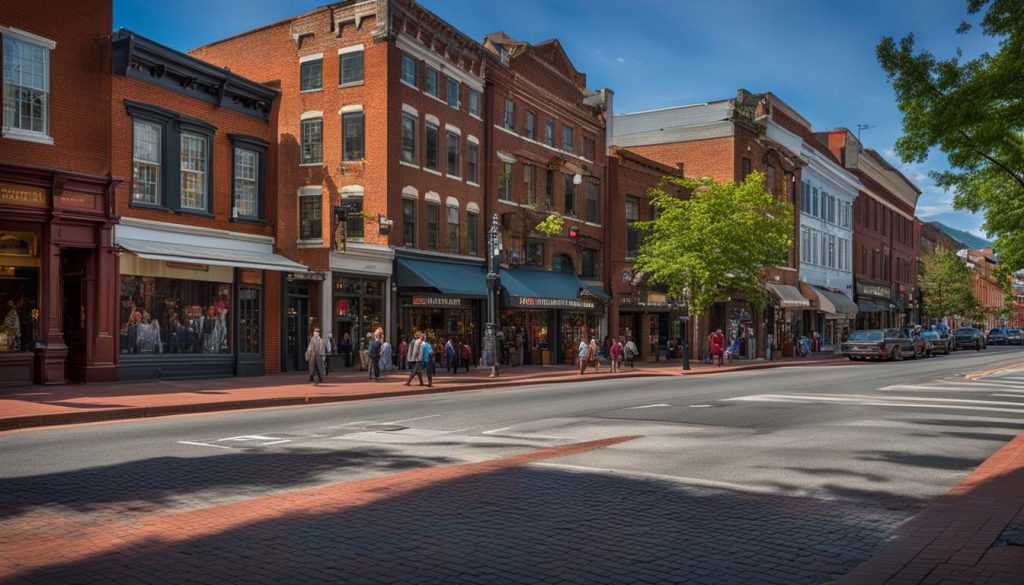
596 292
529 288
450 278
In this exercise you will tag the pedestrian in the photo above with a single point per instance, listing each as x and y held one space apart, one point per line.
403 348
716 341
583 356
345 349
330 349
315 353
451 358
595 357
374 357
385 356
415 358
466 355
629 352
616 354
428 360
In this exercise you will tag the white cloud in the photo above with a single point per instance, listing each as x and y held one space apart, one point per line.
620 59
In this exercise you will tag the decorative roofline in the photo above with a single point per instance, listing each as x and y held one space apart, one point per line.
140 58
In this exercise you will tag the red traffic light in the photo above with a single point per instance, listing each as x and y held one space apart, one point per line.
574 232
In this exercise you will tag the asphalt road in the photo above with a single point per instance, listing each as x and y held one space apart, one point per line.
789 475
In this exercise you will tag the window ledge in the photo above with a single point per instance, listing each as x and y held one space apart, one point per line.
453 177
196 212
27 136
407 84
252 220
309 244
507 202
311 90
430 95
592 224
316 164
472 184
408 164
352 84
144 205
432 171
477 116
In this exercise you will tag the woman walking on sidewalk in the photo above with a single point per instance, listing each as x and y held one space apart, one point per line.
616 355
583 356
315 354
374 357
595 359
385 356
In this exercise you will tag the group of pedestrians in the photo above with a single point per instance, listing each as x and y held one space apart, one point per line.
618 352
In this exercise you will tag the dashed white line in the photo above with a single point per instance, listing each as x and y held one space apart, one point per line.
647 406
205 445
412 419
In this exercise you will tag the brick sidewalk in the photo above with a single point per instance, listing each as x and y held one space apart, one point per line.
37 406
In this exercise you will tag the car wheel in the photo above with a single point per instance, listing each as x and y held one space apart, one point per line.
895 353
851 358
977 346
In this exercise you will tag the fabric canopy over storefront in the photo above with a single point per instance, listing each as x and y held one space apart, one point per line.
596 292
528 288
788 296
866 306
450 278
834 303
191 254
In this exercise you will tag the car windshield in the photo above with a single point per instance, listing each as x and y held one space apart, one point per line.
1014 331
996 331
964 331
930 335
865 336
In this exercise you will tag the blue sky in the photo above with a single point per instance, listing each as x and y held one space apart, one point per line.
817 55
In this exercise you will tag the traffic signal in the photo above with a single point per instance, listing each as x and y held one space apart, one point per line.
574 232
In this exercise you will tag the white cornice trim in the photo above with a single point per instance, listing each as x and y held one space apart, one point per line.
24 35
410 45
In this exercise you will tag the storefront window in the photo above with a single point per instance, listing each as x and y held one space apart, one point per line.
19 312
166 315
249 320
577 327
524 338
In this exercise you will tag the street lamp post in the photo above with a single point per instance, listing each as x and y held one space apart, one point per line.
493 282
686 332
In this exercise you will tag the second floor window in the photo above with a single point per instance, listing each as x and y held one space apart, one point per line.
453 93
312 141
311 75
505 182
354 222
247 169
535 254
474 102
509 117
454 155
529 195
567 138
472 224
531 125
549 187
432 146
26 88
409 70
570 194
353 129
408 138
472 162
310 201
430 83
593 200
194 171
351 66
453 230
588 263
632 235
432 212
589 148
409 222
549 132
147 157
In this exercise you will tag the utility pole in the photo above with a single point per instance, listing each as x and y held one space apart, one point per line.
490 352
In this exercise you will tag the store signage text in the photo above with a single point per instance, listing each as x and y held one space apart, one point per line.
11 193
543 303
873 290
436 302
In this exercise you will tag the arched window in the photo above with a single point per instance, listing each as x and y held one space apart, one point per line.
562 263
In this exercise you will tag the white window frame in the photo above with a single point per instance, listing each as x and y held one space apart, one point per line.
201 174
448 92
254 181
341 70
155 164
46 45
310 191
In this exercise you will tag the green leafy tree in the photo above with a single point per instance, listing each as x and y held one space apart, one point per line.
946 287
551 225
718 239
973 111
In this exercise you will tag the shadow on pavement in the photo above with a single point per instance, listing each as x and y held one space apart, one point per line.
519 525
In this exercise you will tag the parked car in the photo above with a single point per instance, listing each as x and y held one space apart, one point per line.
890 344
937 342
996 336
1014 337
970 338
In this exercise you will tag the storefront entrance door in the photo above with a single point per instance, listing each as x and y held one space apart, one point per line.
298 334
75 275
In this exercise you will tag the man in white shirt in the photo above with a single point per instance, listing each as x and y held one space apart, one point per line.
583 356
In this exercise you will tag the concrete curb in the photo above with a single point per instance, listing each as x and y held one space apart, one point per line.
127 413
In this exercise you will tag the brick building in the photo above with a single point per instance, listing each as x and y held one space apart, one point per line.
200 282
57 266
381 110
988 289
546 152
885 252
725 140
930 239
636 311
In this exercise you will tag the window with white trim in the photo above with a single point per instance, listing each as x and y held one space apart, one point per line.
508 119
453 229
409 138
195 162
453 93
433 137
432 213
505 182
147 162
529 192
531 125
454 155
472 225
474 102
311 75
354 136
350 65
26 88
312 141
409 222
430 82
472 162
409 66
310 203
247 164
355 223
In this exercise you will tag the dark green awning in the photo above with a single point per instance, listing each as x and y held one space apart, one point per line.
450 278
527 287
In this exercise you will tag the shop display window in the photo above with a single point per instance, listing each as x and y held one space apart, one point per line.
19 308
166 315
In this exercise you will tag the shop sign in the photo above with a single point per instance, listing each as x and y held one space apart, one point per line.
23 195
439 302
546 303
306 276
873 290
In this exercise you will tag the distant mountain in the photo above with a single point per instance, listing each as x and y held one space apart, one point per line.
966 239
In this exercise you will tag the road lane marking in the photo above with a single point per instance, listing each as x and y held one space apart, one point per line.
276 442
251 438
905 402
647 406
700 406
492 431
412 419
206 445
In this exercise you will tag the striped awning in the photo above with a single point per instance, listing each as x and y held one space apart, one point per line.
787 296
